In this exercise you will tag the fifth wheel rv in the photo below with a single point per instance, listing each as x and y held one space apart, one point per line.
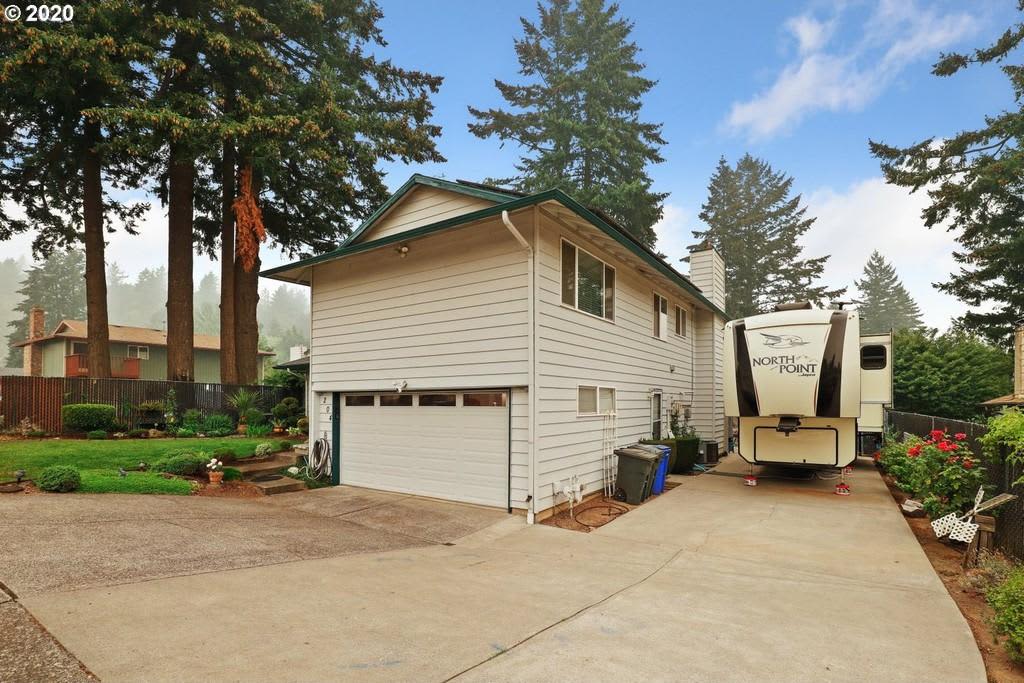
807 389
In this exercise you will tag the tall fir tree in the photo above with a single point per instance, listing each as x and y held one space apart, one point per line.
973 180
54 153
56 286
885 304
756 226
577 115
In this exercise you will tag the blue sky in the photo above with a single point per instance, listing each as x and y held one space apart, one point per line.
803 85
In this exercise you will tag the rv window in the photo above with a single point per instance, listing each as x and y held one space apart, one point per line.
588 283
872 357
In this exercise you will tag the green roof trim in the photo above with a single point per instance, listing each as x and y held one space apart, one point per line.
638 249
428 181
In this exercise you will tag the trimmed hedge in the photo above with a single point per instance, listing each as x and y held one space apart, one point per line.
59 479
96 435
183 464
88 417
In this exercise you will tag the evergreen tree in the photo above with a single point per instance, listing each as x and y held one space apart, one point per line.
974 180
577 114
756 226
56 286
54 153
885 302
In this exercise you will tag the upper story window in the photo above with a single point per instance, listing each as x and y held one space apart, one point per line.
660 316
588 283
680 321
141 352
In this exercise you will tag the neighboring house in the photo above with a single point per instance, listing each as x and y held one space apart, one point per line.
298 364
474 344
135 352
1017 397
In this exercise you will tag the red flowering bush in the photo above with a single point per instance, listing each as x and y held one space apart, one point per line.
939 471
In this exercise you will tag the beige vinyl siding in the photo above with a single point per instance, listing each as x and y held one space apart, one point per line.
709 399
574 348
520 448
422 206
53 357
451 314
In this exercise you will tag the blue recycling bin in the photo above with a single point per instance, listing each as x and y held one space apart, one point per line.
665 453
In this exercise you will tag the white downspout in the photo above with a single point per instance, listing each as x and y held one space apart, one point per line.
531 395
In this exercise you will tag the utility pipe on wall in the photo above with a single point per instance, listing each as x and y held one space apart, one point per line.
531 360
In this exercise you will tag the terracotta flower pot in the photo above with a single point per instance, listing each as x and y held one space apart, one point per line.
216 477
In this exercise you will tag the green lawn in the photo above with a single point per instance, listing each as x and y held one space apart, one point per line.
33 455
110 481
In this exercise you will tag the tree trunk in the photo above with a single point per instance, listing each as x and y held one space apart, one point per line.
228 356
95 261
247 332
180 325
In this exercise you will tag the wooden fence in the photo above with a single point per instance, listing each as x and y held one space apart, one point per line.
40 399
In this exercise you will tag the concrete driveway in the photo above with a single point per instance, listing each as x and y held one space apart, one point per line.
713 581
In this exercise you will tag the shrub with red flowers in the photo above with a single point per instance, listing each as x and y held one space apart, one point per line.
939 471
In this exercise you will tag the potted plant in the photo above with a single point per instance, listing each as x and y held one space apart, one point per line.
214 472
279 426
244 401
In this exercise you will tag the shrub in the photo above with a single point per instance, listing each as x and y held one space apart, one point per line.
939 471
264 449
192 419
218 425
59 479
254 417
87 417
1007 600
224 453
184 432
36 434
244 400
232 474
138 434
257 430
96 435
287 410
285 445
183 464
151 407
303 424
1005 438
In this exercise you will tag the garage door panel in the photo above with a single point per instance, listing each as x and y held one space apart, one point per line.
452 452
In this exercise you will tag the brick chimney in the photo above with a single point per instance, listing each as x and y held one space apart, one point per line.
1018 362
33 353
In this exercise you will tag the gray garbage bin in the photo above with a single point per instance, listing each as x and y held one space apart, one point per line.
635 473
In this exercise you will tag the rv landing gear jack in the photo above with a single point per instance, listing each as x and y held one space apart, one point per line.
842 488
750 479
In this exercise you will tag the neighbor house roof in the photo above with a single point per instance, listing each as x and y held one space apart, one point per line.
144 336
1008 400
505 200
297 365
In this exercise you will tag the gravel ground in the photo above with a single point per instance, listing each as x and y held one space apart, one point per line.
28 654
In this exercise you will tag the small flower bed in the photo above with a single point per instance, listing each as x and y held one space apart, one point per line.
939 471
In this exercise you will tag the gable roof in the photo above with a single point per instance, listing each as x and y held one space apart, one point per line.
506 201
144 336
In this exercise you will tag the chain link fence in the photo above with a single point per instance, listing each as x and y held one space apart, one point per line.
1000 475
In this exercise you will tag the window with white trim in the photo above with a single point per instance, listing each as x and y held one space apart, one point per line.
660 316
588 283
592 399
140 352
680 321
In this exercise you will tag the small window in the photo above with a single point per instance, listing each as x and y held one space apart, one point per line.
588 283
359 400
872 357
445 400
391 400
79 348
656 415
595 400
680 321
494 398
660 317
141 352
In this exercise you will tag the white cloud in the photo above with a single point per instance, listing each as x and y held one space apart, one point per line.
869 215
674 235
896 34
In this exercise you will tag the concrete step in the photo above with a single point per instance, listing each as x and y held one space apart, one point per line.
278 462
282 485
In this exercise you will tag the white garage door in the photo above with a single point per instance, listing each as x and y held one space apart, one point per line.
451 445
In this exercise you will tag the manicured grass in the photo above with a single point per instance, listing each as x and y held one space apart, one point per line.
33 455
110 481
